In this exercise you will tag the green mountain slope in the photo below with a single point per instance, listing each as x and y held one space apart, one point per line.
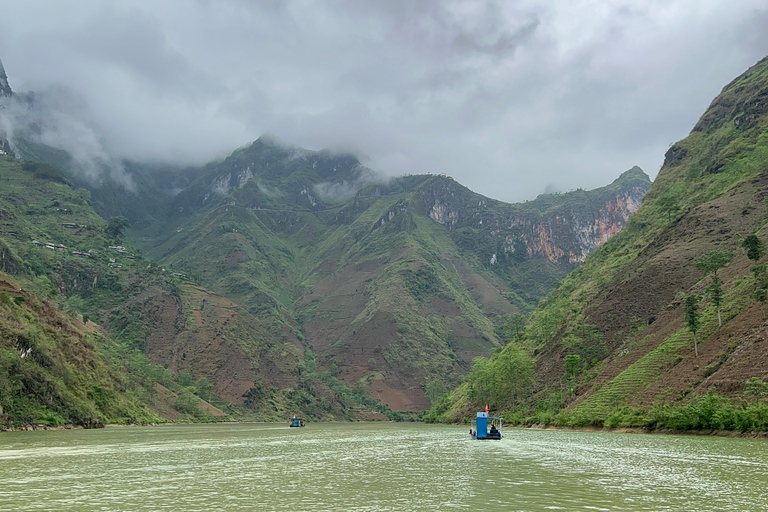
386 286
52 373
201 344
610 343
295 280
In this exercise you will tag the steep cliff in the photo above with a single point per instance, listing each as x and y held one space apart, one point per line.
614 344
5 87
563 228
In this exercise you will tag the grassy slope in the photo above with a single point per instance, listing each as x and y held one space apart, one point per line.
383 296
709 190
267 246
236 252
38 204
52 371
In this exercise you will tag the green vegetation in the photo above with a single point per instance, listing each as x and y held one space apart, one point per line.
51 375
754 246
606 342
54 371
692 318
502 380
115 227
710 263
280 272
704 413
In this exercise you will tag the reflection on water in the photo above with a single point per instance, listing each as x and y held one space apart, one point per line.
375 467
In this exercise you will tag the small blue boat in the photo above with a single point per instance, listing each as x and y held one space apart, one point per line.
486 427
296 422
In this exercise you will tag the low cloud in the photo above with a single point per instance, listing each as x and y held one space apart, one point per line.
268 191
339 192
56 117
504 96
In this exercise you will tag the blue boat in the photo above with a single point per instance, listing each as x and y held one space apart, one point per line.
296 422
486 427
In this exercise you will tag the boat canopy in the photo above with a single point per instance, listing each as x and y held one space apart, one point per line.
487 427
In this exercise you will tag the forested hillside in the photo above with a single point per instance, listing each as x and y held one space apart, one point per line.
664 326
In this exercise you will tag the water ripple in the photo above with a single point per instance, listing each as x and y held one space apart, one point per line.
375 467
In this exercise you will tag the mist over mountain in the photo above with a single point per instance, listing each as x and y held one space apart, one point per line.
503 96
283 278
57 120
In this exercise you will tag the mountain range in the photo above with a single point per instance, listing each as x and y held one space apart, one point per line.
276 280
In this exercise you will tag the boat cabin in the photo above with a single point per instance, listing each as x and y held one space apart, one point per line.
296 422
486 427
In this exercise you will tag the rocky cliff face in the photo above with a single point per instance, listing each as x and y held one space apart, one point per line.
5 88
5 92
576 225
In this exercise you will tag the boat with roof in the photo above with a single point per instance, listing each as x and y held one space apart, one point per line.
486 426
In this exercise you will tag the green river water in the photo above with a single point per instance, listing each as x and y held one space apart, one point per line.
375 467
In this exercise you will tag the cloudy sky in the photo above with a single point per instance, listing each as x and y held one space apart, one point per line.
507 97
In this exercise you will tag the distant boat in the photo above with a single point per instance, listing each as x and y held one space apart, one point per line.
486 427
296 422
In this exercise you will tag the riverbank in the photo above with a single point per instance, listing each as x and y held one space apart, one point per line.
618 430
638 430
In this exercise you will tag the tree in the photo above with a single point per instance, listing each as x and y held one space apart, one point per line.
204 388
668 204
116 226
710 263
514 373
503 378
434 391
716 293
754 246
572 363
713 261
761 286
513 326
761 295
692 318
760 273
480 378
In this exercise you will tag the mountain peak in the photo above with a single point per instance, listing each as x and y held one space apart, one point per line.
5 88
635 173
271 140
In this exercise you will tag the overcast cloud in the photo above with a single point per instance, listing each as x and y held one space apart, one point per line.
507 97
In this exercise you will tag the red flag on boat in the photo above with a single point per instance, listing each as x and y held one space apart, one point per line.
486 407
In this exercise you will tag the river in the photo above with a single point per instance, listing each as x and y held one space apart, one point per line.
376 467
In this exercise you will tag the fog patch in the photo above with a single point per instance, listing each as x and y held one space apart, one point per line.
550 189
57 118
268 191
338 192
